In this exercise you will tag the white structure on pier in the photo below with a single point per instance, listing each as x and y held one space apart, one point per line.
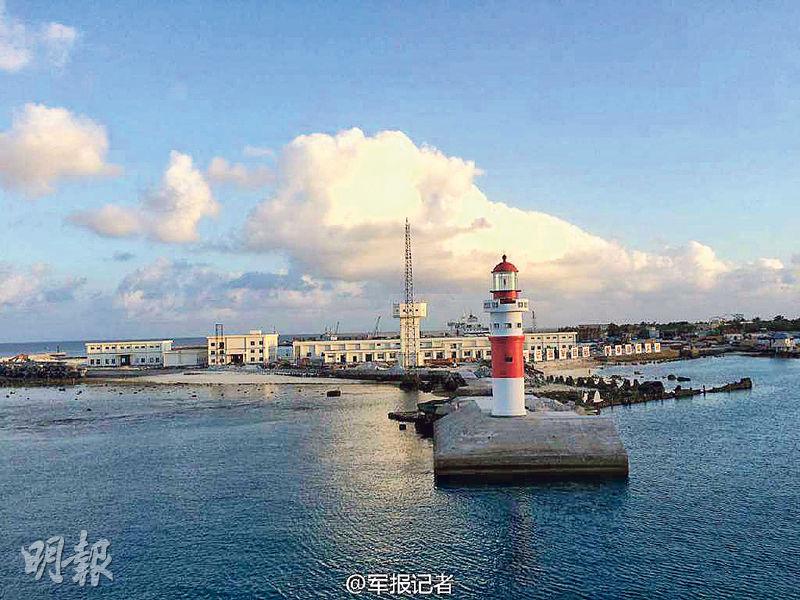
506 310
409 315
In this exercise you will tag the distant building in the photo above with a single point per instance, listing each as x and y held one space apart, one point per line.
186 356
590 332
252 348
733 338
461 349
467 325
782 342
141 353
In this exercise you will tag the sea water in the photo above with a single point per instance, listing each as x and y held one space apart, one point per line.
276 491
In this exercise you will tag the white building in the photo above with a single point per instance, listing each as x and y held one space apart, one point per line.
782 342
461 349
252 348
186 356
142 353
733 338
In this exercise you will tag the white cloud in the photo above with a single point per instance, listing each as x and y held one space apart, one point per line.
223 172
178 291
340 203
110 220
58 40
47 145
35 286
20 43
170 214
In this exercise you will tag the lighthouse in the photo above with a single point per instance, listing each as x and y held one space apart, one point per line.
507 338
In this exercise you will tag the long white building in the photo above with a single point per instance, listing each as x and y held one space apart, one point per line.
139 353
538 347
144 353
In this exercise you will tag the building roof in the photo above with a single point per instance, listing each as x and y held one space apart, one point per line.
781 336
505 267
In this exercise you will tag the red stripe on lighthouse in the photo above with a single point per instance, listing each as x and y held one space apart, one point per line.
507 356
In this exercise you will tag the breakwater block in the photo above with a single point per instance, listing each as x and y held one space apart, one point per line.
470 445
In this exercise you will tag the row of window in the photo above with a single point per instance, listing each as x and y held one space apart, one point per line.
507 325
221 360
222 344
123 347
99 362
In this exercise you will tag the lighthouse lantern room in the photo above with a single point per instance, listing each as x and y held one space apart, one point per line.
506 310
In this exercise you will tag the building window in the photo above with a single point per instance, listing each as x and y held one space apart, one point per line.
252 343
496 325
508 325
519 325
509 359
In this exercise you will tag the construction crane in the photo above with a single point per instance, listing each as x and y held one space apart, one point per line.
410 332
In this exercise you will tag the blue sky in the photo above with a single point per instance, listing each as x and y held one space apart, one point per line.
649 124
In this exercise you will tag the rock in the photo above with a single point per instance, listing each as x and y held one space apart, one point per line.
671 377
651 388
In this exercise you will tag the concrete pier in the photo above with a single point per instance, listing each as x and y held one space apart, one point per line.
471 445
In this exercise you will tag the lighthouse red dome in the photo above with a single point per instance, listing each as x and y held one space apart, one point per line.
505 267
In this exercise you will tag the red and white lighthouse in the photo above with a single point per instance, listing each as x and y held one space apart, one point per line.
507 337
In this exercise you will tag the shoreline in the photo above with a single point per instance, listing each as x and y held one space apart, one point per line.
575 368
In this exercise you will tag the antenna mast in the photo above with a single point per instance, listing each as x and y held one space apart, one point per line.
410 332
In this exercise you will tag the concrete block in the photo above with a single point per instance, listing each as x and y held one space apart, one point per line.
471 445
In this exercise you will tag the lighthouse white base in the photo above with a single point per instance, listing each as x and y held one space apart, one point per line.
508 397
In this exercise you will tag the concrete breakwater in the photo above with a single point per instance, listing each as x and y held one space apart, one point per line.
426 380
618 391
471 446
550 441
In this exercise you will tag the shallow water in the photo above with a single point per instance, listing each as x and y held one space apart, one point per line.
278 491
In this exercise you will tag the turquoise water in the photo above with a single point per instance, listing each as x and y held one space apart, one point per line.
278 491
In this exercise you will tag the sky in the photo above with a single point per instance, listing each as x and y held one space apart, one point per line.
168 166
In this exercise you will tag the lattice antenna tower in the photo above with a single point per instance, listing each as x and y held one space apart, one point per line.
410 332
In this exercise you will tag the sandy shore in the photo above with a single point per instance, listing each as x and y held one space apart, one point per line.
233 378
